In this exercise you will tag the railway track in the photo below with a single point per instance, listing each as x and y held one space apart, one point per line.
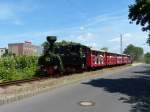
8 83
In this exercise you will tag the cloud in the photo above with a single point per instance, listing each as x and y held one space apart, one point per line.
125 38
114 40
86 37
10 12
82 28
107 17
127 35
6 12
107 29
94 46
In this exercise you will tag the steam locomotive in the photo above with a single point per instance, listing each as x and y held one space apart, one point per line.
75 57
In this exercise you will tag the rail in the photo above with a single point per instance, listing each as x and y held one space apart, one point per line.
21 81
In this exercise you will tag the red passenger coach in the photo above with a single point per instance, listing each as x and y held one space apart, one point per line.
130 59
119 59
111 58
124 59
96 59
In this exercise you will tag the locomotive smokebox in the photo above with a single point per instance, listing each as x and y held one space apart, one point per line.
51 39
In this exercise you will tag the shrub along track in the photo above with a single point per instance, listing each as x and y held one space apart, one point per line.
20 89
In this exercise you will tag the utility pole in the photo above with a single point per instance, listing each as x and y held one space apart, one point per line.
120 43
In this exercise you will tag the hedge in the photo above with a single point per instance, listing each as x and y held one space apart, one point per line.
19 67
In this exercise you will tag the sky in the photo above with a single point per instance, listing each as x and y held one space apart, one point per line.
96 23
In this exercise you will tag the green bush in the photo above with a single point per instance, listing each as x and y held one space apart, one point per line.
147 58
19 67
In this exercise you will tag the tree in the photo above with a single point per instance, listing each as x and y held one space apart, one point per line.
140 13
104 49
135 52
45 45
147 58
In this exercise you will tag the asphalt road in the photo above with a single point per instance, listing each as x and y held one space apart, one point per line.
128 91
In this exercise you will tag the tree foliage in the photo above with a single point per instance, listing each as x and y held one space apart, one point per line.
135 52
140 13
147 58
7 54
19 67
104 49
61 43
45 45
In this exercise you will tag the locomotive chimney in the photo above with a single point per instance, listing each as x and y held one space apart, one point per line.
51 40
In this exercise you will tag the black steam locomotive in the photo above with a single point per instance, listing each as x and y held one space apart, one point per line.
60 59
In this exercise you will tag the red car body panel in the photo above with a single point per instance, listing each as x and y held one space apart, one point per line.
96 59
